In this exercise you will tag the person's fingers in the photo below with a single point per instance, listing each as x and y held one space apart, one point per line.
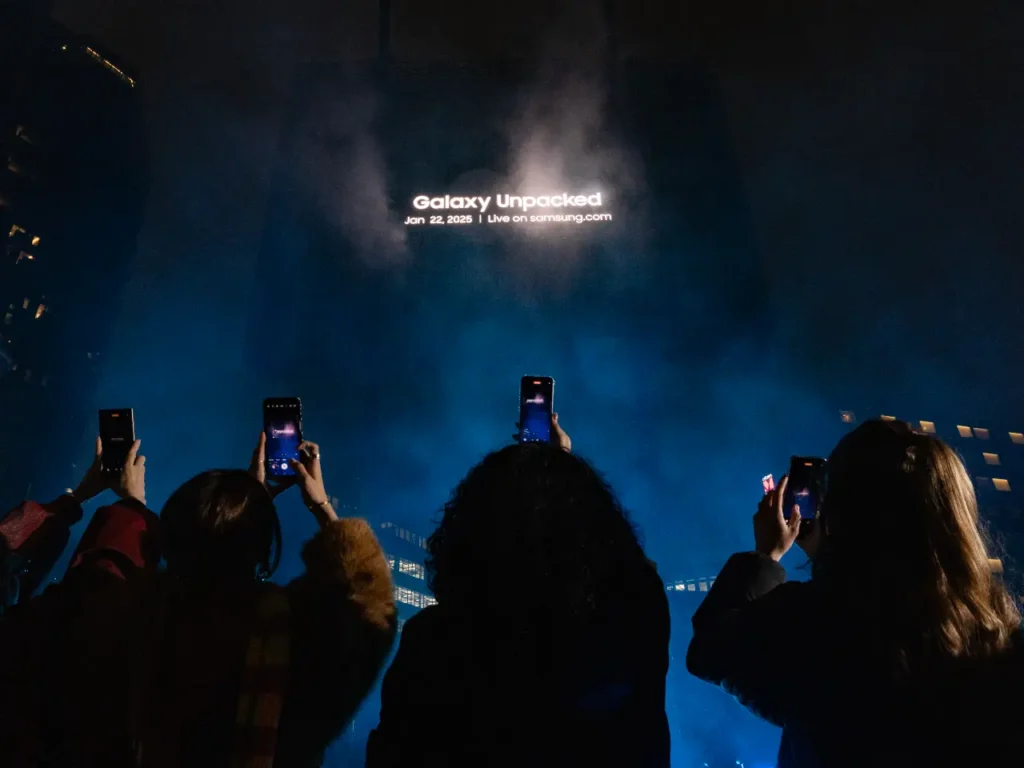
777 499
259 454
99 448
793 524
140 461
133 452
300 470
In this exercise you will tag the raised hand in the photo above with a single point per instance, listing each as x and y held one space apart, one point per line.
95 481
774 535
258 469
311 482
131 483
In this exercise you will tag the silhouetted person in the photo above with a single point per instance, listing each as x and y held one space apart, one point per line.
207 663
903 648
549 642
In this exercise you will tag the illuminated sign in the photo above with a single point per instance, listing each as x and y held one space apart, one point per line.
559 207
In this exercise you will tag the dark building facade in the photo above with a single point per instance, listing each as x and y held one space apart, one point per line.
72 185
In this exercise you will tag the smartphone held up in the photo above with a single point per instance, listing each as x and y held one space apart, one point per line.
805 490
536 406
117 434
282 425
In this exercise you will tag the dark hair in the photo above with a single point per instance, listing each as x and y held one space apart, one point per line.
904 547
529 525
221 525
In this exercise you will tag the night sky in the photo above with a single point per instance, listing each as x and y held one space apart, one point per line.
878 153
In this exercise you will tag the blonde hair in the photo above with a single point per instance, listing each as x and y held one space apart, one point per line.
903 503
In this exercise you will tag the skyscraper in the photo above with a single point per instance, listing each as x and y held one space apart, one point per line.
72 182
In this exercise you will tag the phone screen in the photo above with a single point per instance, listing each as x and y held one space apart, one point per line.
805 487
282 423
536 399
117 433
767 484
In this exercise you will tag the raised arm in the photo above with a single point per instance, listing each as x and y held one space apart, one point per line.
752 632
33 536
343 621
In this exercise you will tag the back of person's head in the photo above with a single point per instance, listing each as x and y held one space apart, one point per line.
903 548
532 525
221 527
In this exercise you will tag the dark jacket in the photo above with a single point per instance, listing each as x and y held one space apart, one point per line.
794 656
114 651
464 691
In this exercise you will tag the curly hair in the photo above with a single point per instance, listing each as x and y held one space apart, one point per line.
905 550
529 525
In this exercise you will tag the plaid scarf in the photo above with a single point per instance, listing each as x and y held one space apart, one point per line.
261 694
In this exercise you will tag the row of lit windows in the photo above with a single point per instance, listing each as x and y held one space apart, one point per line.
691 585
413 598
411 568
406 535
106 63
408 567
928 427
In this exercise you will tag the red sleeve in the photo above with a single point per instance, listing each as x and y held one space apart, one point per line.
37 534
119 539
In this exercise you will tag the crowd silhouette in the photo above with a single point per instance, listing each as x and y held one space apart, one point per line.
165 643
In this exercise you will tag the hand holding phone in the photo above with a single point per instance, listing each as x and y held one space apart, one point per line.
282 427
536 409
117 434
805 490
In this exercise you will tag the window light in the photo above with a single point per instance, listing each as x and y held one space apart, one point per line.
991 458
964 431
1001 484
887 418
928 426
981 434
1017 437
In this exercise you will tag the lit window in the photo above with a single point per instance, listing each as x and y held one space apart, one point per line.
991 458
25 303
39 310
411 568
928 427
1001 484
36 240
703 586
887 418
848 417
391 562
15 229
981 434
691 587
24 256
964 431
1017 437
